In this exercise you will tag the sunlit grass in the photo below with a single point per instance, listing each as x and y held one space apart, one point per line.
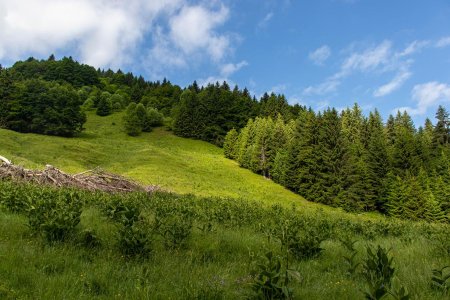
159 158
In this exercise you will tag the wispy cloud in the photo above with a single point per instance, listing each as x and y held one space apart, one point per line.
230 68
443 42
427 95
402 76
413 47
366 60
328 86
378 59
320 55
265 21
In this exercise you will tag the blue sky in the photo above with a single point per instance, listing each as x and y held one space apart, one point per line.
385 54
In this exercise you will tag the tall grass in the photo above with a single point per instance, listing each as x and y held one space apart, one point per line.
217 257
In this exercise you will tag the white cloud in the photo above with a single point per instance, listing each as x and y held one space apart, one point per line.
104 32
320 55
378 59
111 33
413 47
427 95
193 29
328 86
230 68
265 21
364 61
394 84
443 42
367 60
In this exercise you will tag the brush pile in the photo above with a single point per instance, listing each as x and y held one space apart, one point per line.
92 180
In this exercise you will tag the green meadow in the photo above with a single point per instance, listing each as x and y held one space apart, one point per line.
158 158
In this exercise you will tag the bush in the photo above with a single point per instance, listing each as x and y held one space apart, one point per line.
155 118
104 107
54 214
134 240
378 272
174 226
272 279
13 199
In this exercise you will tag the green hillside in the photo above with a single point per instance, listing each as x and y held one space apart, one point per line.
66 244
159 158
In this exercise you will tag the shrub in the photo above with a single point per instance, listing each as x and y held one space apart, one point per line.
175 226
55 214
350 258
302 244
272 279
122 211
134 240
154 117
378 272
13 199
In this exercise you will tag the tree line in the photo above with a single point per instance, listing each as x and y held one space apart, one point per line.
340 159
351 161
201 112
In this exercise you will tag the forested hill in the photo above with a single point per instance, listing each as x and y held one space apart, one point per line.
44 96
350 161
342 159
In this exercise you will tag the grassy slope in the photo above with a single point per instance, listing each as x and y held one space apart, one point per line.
177 164
217 262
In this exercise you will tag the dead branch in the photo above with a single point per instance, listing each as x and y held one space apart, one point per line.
92 180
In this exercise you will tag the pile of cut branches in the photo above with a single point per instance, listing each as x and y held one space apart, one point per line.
93 180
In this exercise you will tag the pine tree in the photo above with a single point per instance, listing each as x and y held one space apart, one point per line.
144 121
187 116
304 169
132 123
244 141
433 211
441 133
104 106
395 197
354 171
278 139
230 144
404 151
377 160
329 153
259 157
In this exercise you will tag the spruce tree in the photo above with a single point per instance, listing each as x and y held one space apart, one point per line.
104 106
395 197
243 143
441 133
354 174
329 153
405 156
132 123
230 144
305 169
144 121
277 141
377 160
